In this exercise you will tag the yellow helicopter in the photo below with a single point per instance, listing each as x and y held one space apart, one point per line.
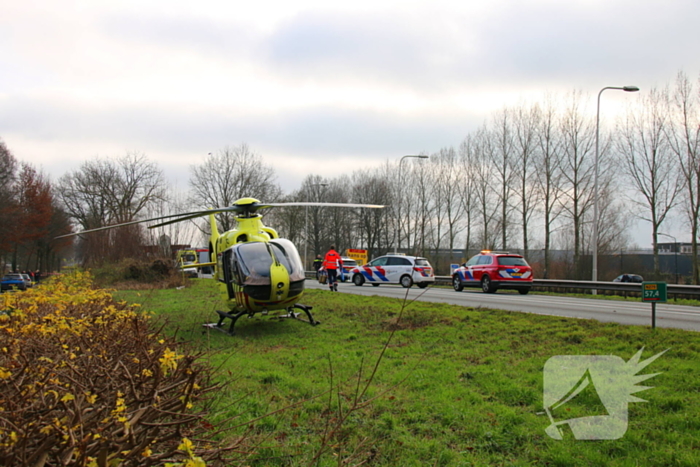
257 271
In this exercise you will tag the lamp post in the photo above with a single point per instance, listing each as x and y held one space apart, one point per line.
306 227
595 177
398 238
675 251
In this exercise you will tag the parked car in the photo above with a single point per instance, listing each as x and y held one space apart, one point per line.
629 278
492 271
348 265
13 281
391 269
28 280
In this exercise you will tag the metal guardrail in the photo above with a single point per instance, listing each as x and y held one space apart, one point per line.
630 287
673 289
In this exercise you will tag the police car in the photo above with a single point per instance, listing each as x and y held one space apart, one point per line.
348 265
391 269
491 270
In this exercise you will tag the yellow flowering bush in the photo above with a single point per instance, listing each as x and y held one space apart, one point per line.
86 380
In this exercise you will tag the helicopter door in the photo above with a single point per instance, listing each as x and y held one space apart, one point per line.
287 254
231 275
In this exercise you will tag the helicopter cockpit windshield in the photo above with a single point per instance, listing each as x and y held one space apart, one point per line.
254 261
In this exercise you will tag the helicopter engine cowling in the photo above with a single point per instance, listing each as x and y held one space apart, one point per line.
262 275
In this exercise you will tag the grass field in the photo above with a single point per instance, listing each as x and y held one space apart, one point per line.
454 386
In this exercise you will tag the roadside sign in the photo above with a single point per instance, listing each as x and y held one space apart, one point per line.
654 292
358 255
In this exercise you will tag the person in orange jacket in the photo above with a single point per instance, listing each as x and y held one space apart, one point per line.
331 263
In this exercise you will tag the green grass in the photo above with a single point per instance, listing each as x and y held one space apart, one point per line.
455 386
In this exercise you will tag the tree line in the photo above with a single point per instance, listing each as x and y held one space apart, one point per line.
30 217
524 180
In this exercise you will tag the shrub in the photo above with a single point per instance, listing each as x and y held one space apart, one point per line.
87 381
139 274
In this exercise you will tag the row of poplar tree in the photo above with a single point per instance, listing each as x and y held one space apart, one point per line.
523 180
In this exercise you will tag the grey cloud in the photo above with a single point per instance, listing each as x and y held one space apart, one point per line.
440 51
522 44
312 133
562 42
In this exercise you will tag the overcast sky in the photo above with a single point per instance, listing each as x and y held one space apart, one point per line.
318 87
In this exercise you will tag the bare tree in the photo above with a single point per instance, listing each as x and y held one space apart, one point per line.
649 163
578 138
501 155
684 139
8 202
466 186
315 189
289 221
548 174
423 214
194 232
371 187
104 192
449 209
231 174
485 193
527 121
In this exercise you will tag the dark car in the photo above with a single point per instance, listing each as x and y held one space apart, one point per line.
12 282
629 278
492 270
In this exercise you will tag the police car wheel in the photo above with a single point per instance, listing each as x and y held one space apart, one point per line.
358 280
406 282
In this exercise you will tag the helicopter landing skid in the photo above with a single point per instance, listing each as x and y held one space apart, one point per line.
222 316
234 317
293 315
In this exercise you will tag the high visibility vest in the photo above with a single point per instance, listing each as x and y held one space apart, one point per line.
332 260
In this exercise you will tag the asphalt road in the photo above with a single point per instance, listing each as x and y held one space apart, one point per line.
668 315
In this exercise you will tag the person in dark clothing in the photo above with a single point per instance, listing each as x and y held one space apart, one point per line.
318 262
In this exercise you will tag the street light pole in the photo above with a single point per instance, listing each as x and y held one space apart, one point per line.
306 227
595 177
675 251
398 237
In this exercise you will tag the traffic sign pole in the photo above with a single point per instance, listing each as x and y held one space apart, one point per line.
654 292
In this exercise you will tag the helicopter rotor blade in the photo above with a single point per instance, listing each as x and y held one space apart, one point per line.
247 208
314 204
107 227
194 215
179 217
